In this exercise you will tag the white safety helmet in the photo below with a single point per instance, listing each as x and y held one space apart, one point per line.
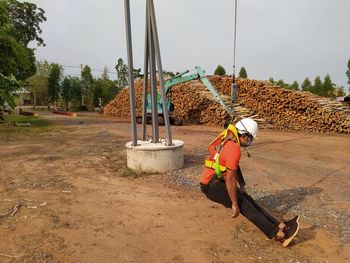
247 125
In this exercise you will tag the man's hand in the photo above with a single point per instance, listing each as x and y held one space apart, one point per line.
235 211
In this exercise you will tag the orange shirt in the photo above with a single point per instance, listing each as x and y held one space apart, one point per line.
229 157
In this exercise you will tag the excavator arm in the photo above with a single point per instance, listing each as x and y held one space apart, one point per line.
178 79
213 91
182 78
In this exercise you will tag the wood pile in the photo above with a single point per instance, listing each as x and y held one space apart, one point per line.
120 105
267 104
190 104
287 109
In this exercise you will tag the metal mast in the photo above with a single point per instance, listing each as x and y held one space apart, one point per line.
234 86
131 73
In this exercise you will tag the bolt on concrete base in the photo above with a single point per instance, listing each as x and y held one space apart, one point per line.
155 157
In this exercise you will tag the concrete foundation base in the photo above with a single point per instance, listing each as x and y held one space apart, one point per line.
155 157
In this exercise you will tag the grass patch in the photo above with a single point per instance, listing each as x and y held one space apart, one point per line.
8 128
131 173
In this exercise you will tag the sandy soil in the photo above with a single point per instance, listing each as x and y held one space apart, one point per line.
78 203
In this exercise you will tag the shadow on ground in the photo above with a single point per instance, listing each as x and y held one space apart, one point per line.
283 201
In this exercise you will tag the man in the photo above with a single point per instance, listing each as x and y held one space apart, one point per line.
222 182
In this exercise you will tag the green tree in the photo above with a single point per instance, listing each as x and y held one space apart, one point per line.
122 73
38 86
110 90
104 89
38 83
137 73
317 87
15 59
169 73
220 71
98 90
294 86
328 87
282 84
306 85
272 80
76 92
243 73
26 18
54 85
340 91
43 68
67 91
87 88
8 85
348 73
19 24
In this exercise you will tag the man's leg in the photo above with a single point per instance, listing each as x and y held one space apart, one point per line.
217 192
265 222
262 210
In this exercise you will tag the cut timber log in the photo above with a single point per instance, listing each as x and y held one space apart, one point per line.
267 104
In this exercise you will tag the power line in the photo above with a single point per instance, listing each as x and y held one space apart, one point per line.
92 69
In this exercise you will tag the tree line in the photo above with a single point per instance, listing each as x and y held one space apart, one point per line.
325 88
50 86
19 25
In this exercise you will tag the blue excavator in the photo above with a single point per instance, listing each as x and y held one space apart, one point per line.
199 74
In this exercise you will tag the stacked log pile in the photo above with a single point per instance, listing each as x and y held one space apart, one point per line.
191 104
120 105
269 105
287 109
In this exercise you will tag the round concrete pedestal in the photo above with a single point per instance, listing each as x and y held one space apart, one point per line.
155 157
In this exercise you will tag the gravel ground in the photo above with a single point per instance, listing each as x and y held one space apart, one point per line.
311 203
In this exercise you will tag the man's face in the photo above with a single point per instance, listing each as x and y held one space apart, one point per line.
246 140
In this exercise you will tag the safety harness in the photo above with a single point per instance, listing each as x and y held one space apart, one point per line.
230 133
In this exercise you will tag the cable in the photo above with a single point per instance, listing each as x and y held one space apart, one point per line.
92 69
234 45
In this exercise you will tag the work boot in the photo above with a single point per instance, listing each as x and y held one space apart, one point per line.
292 221
290 232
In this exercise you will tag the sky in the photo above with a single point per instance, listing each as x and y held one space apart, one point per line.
283 39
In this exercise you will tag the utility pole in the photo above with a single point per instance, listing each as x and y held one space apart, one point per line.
131 73
234 86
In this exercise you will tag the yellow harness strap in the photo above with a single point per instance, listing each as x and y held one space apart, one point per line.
220 141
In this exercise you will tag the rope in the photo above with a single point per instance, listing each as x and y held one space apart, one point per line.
234 45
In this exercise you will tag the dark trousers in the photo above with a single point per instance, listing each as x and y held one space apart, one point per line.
216 191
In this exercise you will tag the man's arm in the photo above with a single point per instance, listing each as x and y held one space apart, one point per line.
231 186
240 180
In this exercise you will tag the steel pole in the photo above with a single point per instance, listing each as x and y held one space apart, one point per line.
145 78
234 86
160 72
152 63
131 69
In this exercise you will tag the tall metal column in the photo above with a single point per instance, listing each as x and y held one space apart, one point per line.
160 70
145 78
153 70
131 69
234 86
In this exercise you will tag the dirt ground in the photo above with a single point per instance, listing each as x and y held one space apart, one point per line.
77 202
